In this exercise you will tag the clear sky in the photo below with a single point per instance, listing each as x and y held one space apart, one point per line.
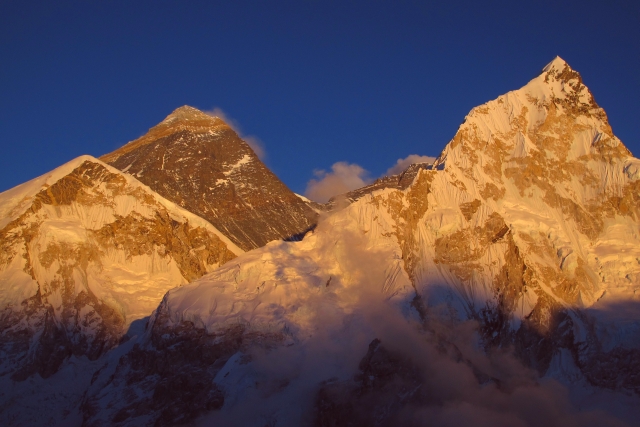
316 81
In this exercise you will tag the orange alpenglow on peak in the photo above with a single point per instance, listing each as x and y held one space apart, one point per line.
188 113
558 64
560 71
200 163
184 118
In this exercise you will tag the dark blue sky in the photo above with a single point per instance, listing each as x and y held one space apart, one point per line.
316 82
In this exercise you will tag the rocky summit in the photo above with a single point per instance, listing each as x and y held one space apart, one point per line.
498 285
200 163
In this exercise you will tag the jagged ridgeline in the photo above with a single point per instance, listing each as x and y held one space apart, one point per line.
516 255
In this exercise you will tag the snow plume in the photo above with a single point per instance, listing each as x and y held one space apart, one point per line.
437 373
252 141
403 164
342 178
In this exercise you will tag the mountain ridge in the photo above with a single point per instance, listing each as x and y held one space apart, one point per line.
526 227
86 251
508 264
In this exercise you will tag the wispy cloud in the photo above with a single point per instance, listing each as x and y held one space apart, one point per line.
252 141
402 164
342 178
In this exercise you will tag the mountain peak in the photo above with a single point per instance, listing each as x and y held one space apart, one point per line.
199 162
188 113
559 70
558 64
182 118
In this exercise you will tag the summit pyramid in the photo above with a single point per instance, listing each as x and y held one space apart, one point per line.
200 163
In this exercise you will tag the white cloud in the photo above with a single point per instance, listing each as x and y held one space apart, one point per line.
343 177
402 164
252 141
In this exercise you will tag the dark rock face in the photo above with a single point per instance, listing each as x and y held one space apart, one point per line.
616 369
200 163
166 385
47 341
385 384
169 380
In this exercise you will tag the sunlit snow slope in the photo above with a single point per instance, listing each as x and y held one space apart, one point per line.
524 236
531 209
85 251
528 222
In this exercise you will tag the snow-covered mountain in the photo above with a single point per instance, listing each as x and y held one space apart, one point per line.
200 163
86 251
524 235
498 286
